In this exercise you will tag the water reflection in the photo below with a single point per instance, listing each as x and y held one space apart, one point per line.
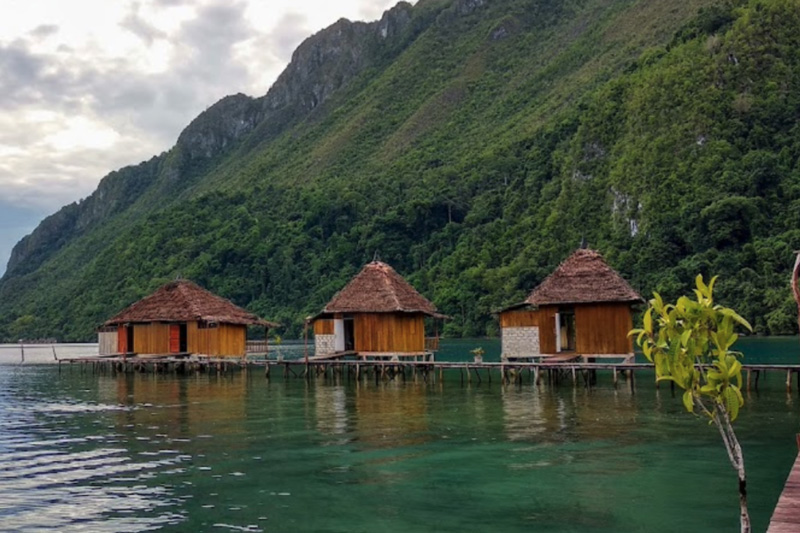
525 414
541 415
178 408
331 410
391 415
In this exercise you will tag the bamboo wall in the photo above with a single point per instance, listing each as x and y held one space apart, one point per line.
599 328
389 332
224 340
107 342
521 318
323 327
544 318
603 329
151 338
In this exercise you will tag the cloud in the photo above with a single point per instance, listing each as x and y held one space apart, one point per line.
43 31
103 113
289 32
134 23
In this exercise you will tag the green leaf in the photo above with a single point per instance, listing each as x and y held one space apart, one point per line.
731 402
688 401
702 287
735 316
734 369
685 337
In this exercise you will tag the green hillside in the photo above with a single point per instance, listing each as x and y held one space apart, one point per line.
472 144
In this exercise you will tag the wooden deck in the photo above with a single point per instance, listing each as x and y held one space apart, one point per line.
539 372
786 517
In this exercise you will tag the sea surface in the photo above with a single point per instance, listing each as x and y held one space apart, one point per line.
81 451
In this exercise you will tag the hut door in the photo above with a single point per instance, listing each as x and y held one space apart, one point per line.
130 345
338 334
174 338
122 339
565 331
349 334
183 340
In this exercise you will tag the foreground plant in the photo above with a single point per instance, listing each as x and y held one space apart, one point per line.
689 343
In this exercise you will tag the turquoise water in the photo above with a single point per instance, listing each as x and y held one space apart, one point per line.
86 452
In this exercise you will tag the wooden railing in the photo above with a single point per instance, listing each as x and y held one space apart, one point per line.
257 346
431 344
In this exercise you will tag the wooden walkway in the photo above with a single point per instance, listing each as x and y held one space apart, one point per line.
554 373
786 517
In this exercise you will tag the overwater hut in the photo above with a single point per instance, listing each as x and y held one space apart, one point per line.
377 314
180 318
584 308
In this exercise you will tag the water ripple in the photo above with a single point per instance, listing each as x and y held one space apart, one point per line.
52 481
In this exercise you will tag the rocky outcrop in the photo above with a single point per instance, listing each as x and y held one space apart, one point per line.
329 59
219 126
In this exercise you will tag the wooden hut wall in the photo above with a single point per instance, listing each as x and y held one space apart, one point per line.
389 332
152 338
547 329
520 318
603 328
223 340
323 327
544 318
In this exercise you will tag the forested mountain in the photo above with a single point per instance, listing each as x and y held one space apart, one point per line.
472 144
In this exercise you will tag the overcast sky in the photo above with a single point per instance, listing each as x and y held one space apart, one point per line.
89 86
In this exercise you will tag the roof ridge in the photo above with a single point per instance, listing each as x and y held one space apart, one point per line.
190 303
392 288
583 277
378 288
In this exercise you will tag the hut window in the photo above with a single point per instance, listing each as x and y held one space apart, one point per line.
202 324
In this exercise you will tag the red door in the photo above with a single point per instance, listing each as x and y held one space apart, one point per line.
174 338
122 339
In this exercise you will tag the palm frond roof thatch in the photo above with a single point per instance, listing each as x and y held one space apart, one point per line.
584 277
184 301
378 288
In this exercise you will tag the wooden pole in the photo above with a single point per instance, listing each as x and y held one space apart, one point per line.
795 287
305 341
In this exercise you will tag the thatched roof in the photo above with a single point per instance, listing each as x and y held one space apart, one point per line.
184 301
379 289
584 277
